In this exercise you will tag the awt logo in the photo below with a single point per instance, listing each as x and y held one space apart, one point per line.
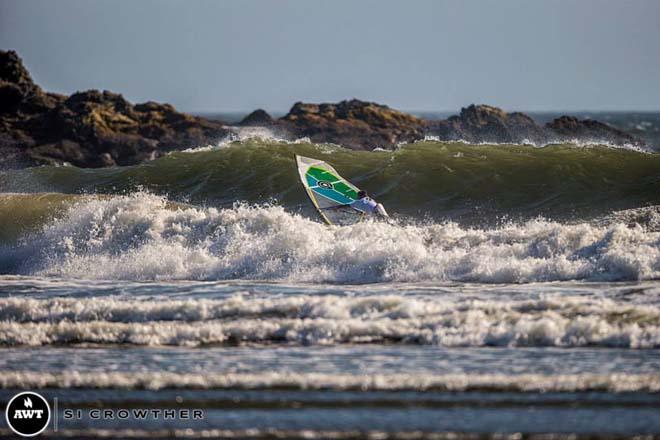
28 414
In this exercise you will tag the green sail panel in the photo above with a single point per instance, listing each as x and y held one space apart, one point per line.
330 193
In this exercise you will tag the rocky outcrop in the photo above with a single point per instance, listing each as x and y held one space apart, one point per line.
19 95
354 124
96 129
258 118
484 123
88 129
567 128
365 125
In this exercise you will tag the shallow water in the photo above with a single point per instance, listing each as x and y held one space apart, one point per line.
563 357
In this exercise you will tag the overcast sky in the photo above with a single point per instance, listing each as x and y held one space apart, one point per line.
412 55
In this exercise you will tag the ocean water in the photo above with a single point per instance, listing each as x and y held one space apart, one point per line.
517 291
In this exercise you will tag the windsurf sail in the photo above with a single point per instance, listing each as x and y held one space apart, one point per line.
330 193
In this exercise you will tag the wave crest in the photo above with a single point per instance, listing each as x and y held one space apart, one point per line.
141 237
457 320
318 381
472 184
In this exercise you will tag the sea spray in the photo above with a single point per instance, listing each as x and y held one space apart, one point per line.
142 237
541 320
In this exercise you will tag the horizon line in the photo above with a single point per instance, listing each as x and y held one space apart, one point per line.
456 111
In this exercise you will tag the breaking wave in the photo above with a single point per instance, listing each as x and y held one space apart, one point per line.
577 143
318 381
541 320
471 184
144 237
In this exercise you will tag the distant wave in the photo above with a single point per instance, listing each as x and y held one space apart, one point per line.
577 143
559 321
266 135
583 382
252 135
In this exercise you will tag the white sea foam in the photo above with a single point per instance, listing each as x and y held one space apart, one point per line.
577 143
649 216
246 134
564 321
139 237
321 381
266 134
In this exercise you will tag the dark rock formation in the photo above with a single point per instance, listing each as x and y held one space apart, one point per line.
87 129
96 129
19 95
354 124
570 128
258 118
484 123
